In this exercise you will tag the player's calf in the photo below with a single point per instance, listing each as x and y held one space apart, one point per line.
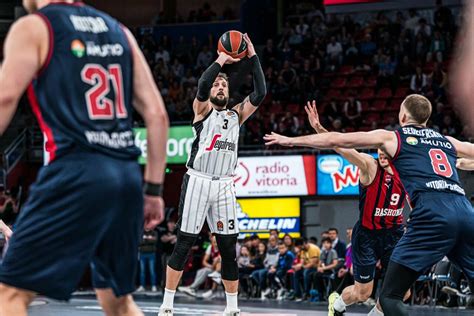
14 301
117 306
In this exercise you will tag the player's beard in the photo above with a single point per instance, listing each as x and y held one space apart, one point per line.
220 102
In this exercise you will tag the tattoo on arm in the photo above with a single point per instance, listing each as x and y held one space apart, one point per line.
241 106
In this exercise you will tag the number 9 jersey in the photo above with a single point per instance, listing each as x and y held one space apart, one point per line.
92 108
426 162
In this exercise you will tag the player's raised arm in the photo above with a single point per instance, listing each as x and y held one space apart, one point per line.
463 149
201 105
366 163
26 48
465 164
148 102
385 140
252 101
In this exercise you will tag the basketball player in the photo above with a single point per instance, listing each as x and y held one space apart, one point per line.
82 71
208 189
381 202
442 219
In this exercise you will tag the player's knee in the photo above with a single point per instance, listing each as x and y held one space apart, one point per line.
226 245
12 295
364 294
184 243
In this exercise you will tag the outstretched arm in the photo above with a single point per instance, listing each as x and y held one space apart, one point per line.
366 163
251 102
464 149
385 140
6 231
465 164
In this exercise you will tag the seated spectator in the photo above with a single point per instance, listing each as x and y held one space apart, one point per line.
334 52
147 259
288 240
254 243
277 273
353 111
437 47
163 54
271 259
423 28
419 81
368 47
405 70
392 124
333 111
337 244
327 263
210 264
301 28
309 255
204 58
412 22
439 81
345 275
448 128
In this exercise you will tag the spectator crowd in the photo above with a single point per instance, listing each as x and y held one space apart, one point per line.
358 68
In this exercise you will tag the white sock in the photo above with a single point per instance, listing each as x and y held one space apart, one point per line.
168 298
375 312
339 304
231 299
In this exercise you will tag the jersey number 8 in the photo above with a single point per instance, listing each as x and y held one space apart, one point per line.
99 106
440 163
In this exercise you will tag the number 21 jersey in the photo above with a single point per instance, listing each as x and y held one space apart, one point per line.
82 96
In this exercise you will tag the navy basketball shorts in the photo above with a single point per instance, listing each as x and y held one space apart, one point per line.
369 246
441 224
84 208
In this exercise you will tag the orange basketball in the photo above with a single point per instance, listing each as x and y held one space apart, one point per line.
233 44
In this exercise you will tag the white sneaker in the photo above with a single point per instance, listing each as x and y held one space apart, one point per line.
280 294
165 311
214 274
140 289
231 313
217 280
187 290
154 289
207 294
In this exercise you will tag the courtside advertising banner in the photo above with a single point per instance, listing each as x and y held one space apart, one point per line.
337 176
258 216
275 176
180 139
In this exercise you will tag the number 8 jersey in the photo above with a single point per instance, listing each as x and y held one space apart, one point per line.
82 96
426 162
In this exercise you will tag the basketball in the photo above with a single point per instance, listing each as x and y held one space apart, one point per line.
233 44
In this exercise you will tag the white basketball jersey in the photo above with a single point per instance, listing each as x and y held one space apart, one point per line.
215 145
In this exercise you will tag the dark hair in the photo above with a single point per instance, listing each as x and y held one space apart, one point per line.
419 107
254 237
299 242
223 76
313 239
327 239
335 229
325 232
281 243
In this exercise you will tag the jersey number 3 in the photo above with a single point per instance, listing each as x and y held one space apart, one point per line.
440 163
99 106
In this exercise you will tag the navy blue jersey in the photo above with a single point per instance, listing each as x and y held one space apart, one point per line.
426 162
82 96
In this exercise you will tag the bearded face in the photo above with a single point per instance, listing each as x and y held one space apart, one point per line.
220 93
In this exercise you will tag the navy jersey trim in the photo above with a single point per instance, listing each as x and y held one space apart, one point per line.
50 43
399 145
50 146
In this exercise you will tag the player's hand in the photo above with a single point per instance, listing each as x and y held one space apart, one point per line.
250 49
226 59
7 232
313 117
154 212
277 139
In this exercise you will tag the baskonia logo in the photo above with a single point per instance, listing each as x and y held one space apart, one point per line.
243 174
78 48
412 141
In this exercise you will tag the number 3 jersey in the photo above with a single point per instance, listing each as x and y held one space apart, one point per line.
215 145
381 202
426 162
82 97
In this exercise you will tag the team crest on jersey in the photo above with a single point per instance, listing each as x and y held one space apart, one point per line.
412 141
220 226
78 48
230 113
